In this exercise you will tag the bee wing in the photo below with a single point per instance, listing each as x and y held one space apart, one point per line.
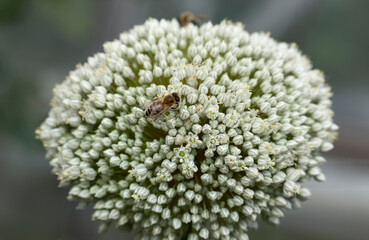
158 108
147 104
154 109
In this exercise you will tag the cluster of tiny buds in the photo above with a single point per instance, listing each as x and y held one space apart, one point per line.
252 121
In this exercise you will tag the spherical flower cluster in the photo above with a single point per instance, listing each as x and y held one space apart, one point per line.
253 119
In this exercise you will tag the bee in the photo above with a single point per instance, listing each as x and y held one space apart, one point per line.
186 18
160 105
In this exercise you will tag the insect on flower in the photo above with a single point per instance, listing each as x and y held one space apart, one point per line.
186 18
160 105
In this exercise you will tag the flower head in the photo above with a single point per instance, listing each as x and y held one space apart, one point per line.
253 119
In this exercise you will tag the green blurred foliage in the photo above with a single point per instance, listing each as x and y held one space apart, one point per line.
73 19
336 41
38 35
11 10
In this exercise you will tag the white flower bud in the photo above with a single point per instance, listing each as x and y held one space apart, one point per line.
190 195
279 177
192 98
326 146
196 128
247 210
212 195
204 233
222 149
294 175
100 193
115 161
176 223
86 86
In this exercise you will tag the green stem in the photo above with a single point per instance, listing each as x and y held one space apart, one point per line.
187 233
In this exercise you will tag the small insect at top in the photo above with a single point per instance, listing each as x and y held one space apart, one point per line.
186 18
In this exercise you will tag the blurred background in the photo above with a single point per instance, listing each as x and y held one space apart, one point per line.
42 40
